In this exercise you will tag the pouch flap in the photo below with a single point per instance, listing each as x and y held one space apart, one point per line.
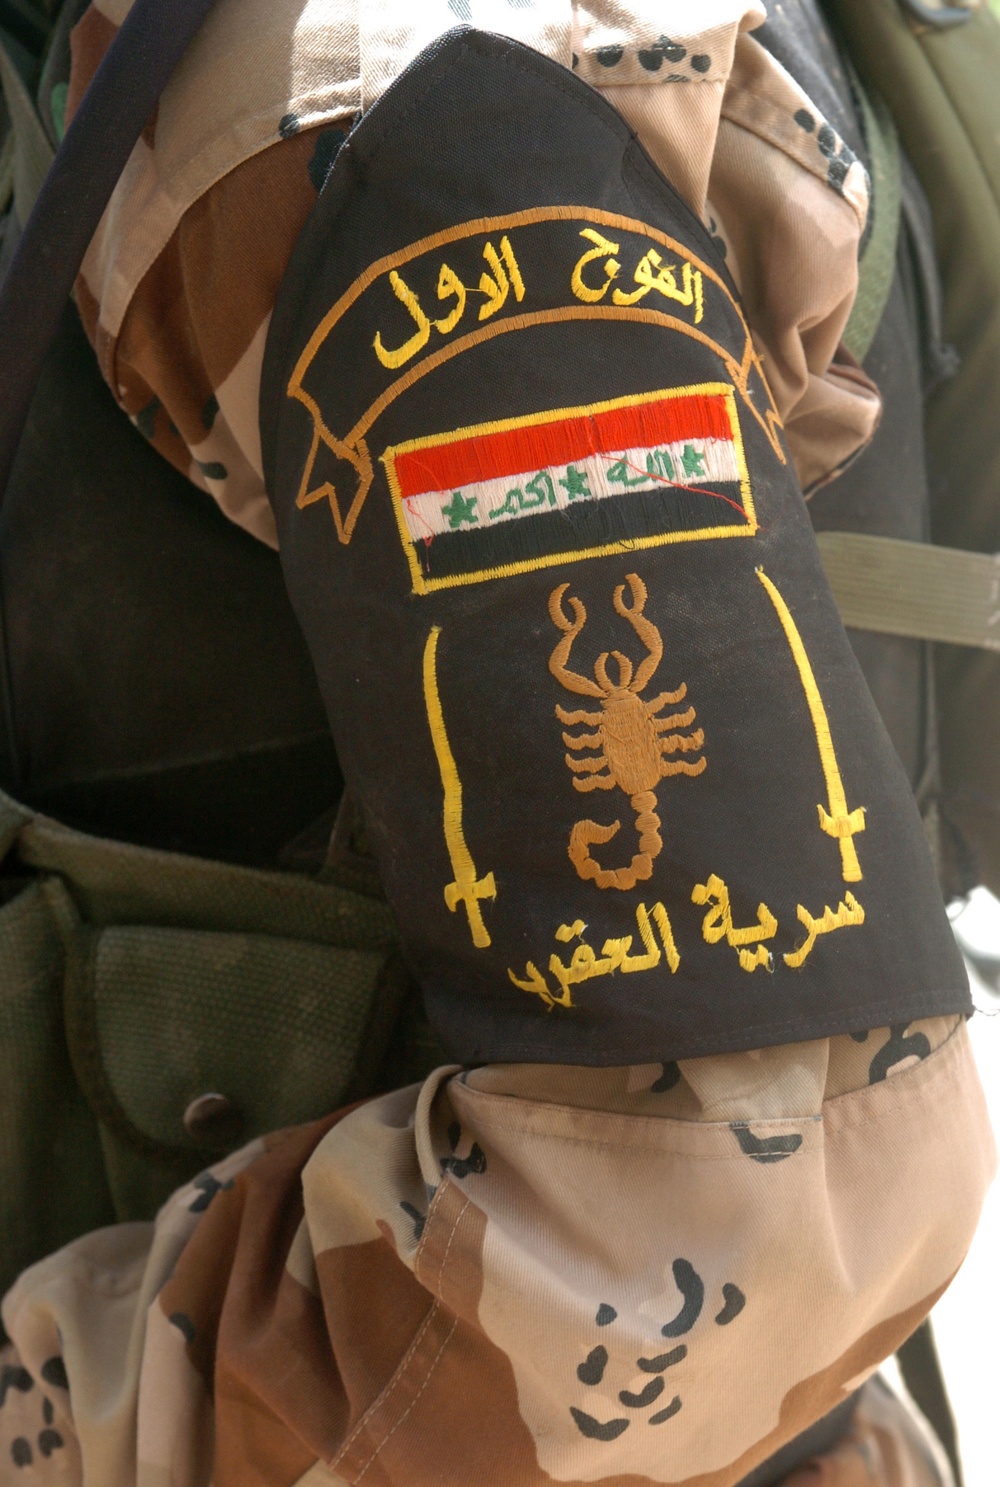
158 1018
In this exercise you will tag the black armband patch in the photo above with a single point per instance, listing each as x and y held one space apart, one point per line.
630 797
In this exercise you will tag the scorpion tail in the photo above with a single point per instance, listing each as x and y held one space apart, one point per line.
588 833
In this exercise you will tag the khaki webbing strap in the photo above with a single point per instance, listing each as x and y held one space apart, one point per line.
914 588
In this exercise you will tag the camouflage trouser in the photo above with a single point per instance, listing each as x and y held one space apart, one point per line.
524 1274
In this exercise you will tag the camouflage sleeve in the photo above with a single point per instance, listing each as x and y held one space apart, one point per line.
178 286
593 1275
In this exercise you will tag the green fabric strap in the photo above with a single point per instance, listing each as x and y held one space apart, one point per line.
878 259
32 152
914 588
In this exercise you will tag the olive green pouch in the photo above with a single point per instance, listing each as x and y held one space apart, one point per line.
133 984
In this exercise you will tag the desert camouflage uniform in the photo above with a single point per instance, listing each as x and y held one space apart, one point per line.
520 1273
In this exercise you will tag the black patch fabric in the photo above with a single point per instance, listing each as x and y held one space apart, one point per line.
630 797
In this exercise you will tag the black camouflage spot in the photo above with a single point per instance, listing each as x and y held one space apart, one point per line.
764 1149
672 50
609 56
21 1452
605 1314
701 63
720 246
837 173
327 146
419 1219
639 1401
145 419
826 141
209 1186
184 1325
895 1049
651 60
463 1166
210 413
668 1080
12 1376
576 61
289 124
594 1430
47 1411
805 120
212 470
591 1371
668 1413
49 1441
734 1302
663 1361
692 1288
54 1373
860 1037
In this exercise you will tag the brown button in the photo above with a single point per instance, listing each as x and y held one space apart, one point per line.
212 1120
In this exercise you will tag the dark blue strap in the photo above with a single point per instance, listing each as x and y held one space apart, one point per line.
111 116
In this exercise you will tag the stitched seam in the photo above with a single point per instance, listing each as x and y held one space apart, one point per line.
434 1362
451 1239
413 1402
397 1377
890 1101
645 1120
390 1387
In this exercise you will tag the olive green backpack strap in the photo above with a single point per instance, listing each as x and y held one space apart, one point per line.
936 66
877 267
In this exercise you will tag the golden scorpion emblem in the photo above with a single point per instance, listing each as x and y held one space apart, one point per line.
633 741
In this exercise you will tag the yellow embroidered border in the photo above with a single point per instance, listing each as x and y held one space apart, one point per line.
424 585
353 446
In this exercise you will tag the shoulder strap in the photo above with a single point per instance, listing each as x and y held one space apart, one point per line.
92 156
914 588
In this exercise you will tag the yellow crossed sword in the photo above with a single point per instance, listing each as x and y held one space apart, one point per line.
467 888
838 822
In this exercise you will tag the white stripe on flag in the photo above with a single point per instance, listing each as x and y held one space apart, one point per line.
487 503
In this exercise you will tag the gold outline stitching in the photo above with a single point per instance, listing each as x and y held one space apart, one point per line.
353 447
424 585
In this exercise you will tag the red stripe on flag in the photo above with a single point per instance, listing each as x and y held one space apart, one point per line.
538 446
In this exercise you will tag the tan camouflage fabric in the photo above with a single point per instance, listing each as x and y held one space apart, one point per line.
178 285
523 1275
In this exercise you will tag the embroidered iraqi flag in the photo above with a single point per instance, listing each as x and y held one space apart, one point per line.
630 797
672 461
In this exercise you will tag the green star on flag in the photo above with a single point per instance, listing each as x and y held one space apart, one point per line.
461 511
693 461
576 483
